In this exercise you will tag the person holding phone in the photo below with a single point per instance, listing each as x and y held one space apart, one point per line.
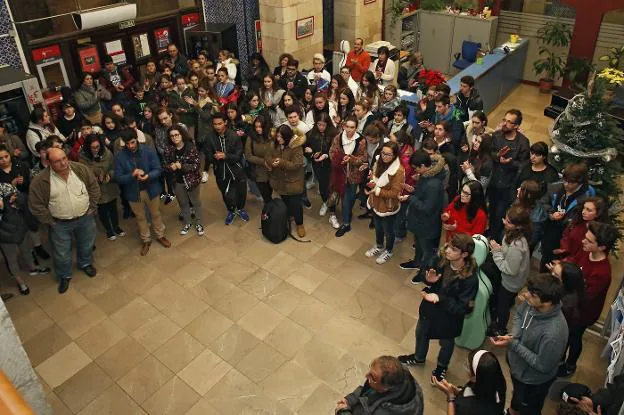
511 150
447 298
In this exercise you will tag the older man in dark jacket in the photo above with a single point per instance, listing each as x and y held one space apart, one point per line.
390 389
425 206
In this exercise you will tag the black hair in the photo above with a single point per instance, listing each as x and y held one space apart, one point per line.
477 200
517 113
266 128
85 123
481 116
468 80
443 99
521 219
186 138
220 116
287 134
402 108
572 279
548 288
540 148
37 113
489 384
403 138
383 49
420 158
606 234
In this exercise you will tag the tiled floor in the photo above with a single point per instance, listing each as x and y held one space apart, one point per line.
230 323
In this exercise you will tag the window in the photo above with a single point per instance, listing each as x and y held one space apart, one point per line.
545 7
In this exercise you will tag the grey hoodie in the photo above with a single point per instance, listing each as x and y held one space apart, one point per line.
540 339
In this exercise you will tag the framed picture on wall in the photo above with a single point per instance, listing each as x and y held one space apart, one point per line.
141 46
305 27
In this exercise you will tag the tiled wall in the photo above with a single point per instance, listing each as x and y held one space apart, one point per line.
241 12
8 50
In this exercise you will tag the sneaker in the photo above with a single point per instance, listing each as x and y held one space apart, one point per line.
306 203
417 279
374 251
242 213
111 237
23 288
342 230
200 230
323 209
333 221
565 370
204 178
163 196
120 232
169 199
409 265
439 373
383 258
185 229
410 360
230 218
39 271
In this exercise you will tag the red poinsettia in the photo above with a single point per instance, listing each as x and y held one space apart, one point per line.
429 77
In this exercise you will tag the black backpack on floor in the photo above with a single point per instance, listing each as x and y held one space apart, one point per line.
274 221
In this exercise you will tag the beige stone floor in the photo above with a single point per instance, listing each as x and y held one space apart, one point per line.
230 323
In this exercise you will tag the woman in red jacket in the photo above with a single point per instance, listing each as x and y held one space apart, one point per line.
594 208
467 213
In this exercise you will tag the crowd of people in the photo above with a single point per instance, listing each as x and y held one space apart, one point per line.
131 141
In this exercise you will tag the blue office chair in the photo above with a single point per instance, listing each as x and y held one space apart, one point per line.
468 55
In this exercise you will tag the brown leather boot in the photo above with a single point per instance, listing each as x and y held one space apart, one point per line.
145 248
164 242
301 231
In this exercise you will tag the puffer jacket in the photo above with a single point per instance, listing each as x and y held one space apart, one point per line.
255 151
191 170
109 190
287 178
87 100
384 200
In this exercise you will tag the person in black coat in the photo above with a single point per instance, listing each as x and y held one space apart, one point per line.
224 150
293 80
447 298
485 391
258 69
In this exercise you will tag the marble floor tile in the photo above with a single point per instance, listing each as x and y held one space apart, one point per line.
133 315
82 320
260 283
260 362
203 372
234 344
122 357
291 385
322 401
285 298
155 332
145 379
62 365
82 388
260 320
46 344
208 326
113 401
174 398
288 337
235 303
307 278
179 351
100 338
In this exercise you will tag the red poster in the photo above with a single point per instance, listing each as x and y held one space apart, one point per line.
190 19
48 53
163 38
89 59
258 36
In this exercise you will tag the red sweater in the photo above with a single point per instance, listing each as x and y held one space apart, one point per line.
597 276
460 217
571 241
358 63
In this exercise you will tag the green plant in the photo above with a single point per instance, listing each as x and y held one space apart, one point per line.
552 64
396 9
433 5
614 58
578 71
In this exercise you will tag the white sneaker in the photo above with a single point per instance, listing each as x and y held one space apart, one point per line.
333 220
384 257
323 210
185 229
204 178
375 250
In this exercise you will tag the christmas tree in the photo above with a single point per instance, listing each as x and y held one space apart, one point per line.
585 133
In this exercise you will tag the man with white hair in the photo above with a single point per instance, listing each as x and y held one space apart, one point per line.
318 76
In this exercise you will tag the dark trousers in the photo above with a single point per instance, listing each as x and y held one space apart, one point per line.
322 173
234 193
295 208
505 300
425 251
529 399
500 200
167 180
575 344
348 200
551 240
384 231
265 191
400 224
422 344
107 212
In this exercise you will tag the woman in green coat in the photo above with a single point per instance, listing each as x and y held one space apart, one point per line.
99 159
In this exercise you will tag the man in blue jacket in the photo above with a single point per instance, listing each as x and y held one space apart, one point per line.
137 169
425 204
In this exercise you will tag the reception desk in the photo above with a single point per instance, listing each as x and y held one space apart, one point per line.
495 78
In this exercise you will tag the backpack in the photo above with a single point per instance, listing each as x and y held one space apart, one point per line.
274 223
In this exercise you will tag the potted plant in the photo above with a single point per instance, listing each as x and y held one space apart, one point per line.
614 58
551 64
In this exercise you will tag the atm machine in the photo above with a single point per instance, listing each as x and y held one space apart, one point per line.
19 94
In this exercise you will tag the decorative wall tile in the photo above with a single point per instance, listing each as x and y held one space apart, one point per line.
217 11
8 49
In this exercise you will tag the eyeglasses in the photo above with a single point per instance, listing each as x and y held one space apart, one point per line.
387 154
466 193
175 135
506 121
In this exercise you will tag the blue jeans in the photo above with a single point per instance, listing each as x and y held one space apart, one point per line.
83 230
384 229
422 344
348 200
